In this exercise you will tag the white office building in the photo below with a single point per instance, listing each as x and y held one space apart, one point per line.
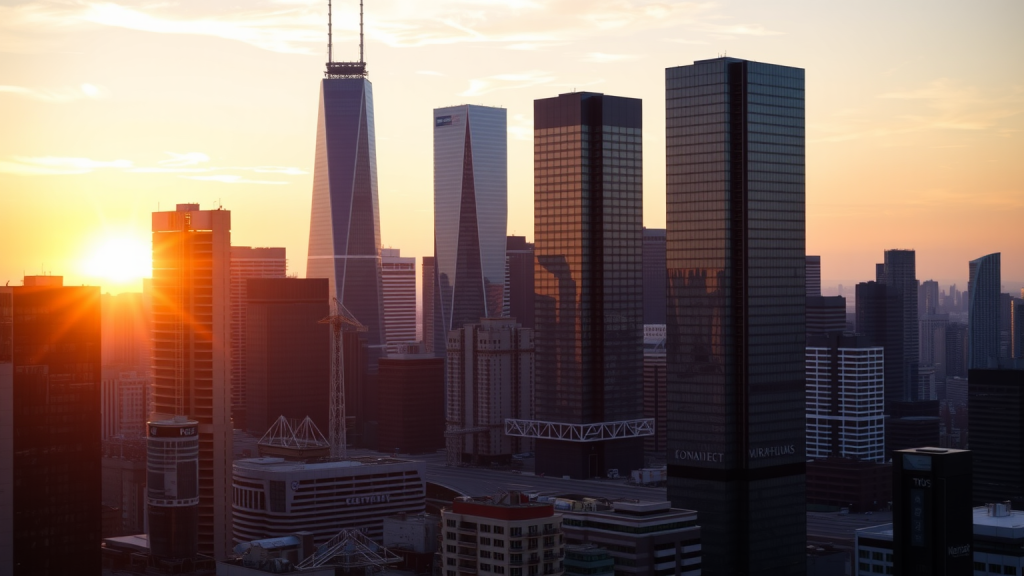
398 277
845 389
276 497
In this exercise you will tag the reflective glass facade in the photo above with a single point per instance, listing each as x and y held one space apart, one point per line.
983 289
735 318
470 213
588 206
344 230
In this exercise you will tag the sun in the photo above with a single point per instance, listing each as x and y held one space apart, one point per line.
119 260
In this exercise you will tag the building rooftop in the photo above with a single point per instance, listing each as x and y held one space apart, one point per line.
282 465
880 532
999 520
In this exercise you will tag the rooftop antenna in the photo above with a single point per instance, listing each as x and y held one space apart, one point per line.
344 69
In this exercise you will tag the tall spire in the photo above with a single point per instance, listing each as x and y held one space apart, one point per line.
344 69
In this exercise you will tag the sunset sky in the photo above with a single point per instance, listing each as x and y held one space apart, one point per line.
109 110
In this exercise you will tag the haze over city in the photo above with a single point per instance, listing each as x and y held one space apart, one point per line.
110 110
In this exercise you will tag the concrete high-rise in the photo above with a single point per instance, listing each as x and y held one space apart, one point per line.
880 319
736 332
933 344
489 378
191 350
654 276
519 283
928 298
247 262
398 276
812 275
588 206
50 451
344 229
470 213
900 272
983 288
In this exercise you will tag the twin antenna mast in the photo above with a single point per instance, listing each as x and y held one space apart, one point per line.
344 69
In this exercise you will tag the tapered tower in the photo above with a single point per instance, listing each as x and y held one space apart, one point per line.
344 231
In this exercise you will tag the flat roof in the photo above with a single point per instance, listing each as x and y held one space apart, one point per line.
881 532
282 465
1011 526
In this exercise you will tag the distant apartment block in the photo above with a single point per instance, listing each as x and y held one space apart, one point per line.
398 277
247 262
490 373
812 275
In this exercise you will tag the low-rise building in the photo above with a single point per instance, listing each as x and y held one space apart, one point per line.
509 536
644 538
998 543
274 497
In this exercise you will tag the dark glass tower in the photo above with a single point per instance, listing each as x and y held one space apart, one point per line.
50 478
983 289
344 229
900 271
588 208
880 318
654 276
519 281
996 423
736 334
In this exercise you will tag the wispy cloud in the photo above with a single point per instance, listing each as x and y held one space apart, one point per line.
297 26
56 166
603 58
59 95
232 179
187 165
480 86
939 105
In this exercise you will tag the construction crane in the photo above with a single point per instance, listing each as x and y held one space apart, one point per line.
340 320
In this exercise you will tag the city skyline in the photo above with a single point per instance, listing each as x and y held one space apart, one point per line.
911 137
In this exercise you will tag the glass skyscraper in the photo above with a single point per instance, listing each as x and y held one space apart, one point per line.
900 272
983 288
588 208
735 322
470 214
344 229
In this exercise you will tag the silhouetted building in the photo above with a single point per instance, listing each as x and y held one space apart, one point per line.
344 229
490 378
996 424
933 344
398 276
288 353
431 330
900 271
247 262
411 415
470 213
191 350
736 298
932 514
655 391
928 298
124 404
880 319
956 350
1005 325
983 312
519 283
654 276
812 276
50 455
826 314
911 423
125 330
1017 328
588 281
849 483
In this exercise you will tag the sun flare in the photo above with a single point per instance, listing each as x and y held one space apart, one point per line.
119 260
